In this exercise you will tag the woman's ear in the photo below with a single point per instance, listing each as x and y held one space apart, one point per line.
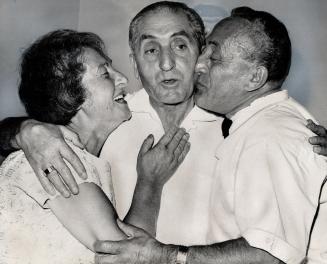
258 79
133 62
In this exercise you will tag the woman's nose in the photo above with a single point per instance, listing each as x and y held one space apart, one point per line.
121 80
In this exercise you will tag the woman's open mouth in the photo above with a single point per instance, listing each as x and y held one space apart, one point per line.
120 99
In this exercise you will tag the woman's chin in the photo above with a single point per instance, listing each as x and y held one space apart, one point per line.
123 117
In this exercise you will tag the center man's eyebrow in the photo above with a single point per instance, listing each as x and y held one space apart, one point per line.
182 33
146 36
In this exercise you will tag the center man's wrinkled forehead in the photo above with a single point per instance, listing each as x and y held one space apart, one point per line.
178 26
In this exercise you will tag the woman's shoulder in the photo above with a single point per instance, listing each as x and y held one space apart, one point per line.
14 167
98 171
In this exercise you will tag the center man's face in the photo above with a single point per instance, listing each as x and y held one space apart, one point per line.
165 56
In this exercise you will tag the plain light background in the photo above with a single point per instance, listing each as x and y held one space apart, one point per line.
22 21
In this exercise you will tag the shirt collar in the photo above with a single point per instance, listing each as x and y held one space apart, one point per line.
139 103
256 106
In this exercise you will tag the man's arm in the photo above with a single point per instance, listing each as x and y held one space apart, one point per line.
44 146
155 165
9 128
142 248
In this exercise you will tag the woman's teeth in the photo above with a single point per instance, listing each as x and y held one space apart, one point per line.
120 98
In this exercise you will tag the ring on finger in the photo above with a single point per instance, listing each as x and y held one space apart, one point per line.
48 170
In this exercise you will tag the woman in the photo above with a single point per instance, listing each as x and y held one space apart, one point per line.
67 79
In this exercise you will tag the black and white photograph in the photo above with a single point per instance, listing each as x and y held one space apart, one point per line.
166 132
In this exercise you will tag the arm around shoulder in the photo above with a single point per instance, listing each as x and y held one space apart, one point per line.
9 128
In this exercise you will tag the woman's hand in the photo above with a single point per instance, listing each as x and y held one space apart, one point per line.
156 164
44 146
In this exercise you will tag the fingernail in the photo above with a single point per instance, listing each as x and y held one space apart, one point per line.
84 176
66 194
316 149
75 190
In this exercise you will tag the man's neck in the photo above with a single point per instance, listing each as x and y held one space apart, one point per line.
172 115
250 99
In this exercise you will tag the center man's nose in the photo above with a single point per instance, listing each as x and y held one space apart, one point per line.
167 60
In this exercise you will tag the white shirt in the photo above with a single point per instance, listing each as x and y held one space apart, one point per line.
29 232
184 212
267 180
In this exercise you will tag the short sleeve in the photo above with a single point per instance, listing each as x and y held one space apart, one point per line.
276 196
22 176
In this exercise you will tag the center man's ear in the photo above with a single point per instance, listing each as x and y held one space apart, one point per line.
133 62
259 78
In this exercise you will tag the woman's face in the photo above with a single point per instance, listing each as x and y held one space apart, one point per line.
105 93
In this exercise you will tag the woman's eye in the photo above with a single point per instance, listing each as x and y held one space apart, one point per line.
181 47
106 75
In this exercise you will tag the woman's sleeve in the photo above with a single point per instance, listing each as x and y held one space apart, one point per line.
88 216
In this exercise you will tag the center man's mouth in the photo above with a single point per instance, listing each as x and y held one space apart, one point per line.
169 82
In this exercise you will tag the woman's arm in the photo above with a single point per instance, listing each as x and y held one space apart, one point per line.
88 216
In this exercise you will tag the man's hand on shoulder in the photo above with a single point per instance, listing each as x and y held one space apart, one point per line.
319 142
45 147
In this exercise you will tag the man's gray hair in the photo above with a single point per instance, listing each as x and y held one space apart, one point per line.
196 23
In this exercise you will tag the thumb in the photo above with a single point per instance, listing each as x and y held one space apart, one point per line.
147 144
129 230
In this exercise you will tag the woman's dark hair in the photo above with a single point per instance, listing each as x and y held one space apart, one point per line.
51 72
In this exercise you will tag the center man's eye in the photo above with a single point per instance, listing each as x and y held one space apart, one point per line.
179 45
151 51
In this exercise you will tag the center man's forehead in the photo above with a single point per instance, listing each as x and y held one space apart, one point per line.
182 33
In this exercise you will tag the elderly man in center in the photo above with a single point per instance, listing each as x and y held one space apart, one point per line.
165 39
